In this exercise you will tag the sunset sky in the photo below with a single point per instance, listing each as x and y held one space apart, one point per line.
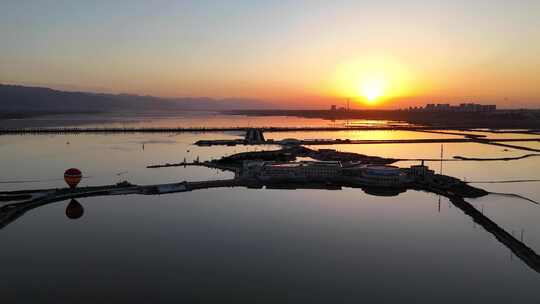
384 53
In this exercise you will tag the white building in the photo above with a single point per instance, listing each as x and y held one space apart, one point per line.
384 176
300 170
376 175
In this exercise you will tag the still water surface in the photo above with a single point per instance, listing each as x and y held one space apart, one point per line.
179 119
243 244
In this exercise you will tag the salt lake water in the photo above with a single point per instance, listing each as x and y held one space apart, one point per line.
237 244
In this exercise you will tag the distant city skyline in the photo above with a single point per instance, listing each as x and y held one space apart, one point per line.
388 53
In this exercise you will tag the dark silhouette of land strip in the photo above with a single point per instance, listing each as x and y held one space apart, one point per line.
499 143
499 119
506 182
463 158
510 194
522 251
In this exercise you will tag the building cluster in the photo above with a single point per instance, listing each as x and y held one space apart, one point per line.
307 171
462 107
344 108
336 108
300 170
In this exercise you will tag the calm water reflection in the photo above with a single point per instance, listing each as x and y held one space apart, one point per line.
244 244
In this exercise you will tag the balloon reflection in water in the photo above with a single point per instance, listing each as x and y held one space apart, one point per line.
74 210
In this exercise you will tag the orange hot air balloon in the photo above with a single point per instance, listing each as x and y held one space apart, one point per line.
72 177
74 210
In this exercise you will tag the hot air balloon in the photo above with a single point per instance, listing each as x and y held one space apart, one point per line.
74 210
72 177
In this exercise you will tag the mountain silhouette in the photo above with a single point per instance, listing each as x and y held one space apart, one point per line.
16 99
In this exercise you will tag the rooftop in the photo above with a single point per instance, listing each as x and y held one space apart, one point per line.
306 163
382 168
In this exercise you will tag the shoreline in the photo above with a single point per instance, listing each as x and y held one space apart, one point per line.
499 119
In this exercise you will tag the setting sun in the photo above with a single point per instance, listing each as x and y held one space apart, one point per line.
372 89
372 81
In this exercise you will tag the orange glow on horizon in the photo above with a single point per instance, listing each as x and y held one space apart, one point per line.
371 81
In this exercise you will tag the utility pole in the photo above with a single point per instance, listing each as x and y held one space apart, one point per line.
441 159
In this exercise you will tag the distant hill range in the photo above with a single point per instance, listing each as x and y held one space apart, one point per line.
22 100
